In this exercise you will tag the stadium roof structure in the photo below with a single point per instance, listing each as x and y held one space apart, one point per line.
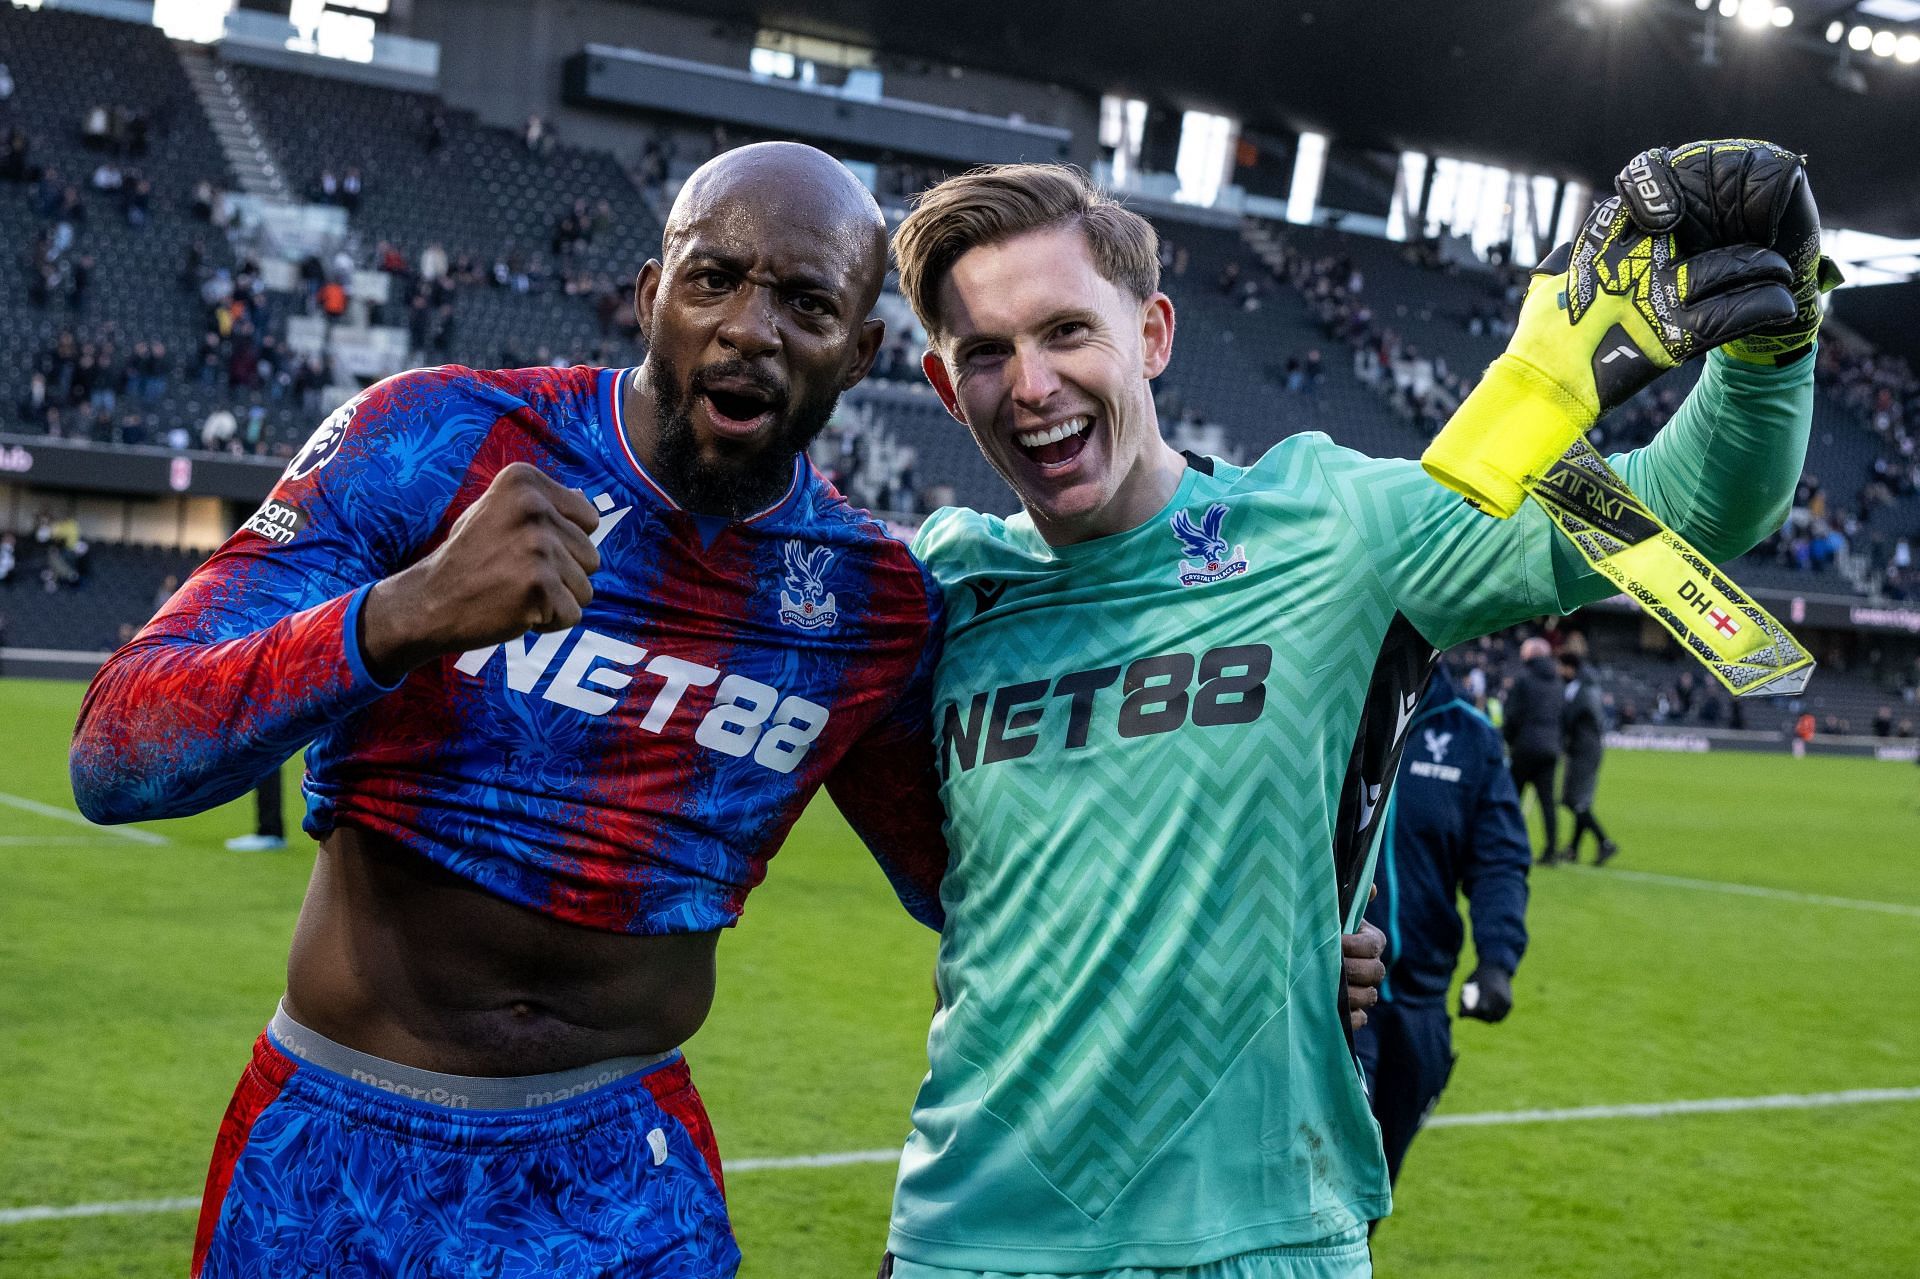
1565 87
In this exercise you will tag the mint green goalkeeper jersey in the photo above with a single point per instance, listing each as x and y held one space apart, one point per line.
1139 1059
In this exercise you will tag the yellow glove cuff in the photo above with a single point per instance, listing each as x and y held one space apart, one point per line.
1515 425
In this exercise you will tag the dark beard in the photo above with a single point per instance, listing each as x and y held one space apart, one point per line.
734 490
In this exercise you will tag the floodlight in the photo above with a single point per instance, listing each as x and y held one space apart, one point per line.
1859 38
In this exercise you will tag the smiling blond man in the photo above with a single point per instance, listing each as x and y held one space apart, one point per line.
1167 694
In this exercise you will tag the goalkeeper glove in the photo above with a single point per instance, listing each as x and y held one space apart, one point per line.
1603 317
1738 190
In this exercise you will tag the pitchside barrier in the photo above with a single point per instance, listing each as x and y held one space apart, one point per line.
1699 741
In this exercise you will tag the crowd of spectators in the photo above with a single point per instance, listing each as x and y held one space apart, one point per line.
1420 386
59 270
1884 392
871 467
55 560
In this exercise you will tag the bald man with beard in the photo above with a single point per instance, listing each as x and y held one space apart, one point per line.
573 649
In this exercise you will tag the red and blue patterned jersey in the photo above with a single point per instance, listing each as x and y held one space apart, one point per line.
633 773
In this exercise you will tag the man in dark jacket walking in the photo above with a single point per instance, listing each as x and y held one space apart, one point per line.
1533 731
1453 825
1584 723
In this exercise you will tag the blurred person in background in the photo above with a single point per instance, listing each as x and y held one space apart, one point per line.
1584 729
1533 714
1454 827
269 827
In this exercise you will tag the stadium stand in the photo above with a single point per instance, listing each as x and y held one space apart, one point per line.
501 247
115 590
550 229
1663 689
106 150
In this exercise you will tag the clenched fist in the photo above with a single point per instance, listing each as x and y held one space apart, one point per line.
517 560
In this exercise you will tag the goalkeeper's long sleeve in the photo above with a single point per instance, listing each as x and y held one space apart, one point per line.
1721 474
1723 471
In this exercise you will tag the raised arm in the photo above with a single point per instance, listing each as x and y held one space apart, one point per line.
311 612
1721 474
1601 319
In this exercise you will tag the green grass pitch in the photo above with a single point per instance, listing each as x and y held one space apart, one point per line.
134 977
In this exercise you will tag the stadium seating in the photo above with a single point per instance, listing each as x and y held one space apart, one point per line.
481 192
117 589
1840 700
64 65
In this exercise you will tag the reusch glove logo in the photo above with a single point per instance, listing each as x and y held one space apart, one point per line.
1732 190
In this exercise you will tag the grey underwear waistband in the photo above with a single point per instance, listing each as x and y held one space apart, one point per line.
463 1092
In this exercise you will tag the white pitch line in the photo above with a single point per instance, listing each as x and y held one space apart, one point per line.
43 841
1754 890
124 1208
68 815
837 1159
1662 1109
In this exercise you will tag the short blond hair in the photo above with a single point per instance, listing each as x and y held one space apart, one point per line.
998 202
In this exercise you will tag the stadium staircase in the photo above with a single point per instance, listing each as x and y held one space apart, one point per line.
248 156
64 64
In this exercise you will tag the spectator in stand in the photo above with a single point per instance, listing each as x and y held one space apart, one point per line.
15 163
6 83
153 370
137 199
1803 730
333 301
168 585
9 559
443 328
79 280
32 408
1685 694
95 129
350 188
1883 722
218 430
